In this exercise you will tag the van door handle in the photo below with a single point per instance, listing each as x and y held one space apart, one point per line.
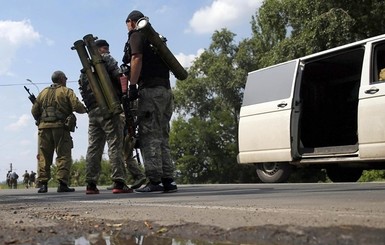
282 105
372 90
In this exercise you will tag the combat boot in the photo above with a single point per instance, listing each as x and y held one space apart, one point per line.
64 188
43 188
169 185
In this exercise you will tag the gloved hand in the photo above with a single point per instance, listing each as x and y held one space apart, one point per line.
133 93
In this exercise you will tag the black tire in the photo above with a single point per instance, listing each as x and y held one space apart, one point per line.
340 174
274 172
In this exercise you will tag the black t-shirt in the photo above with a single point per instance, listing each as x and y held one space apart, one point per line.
154 71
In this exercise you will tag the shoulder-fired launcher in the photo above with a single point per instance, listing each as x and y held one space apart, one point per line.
96 72
144 26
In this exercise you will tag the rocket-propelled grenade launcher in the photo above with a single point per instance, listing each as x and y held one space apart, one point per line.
144 26
96 72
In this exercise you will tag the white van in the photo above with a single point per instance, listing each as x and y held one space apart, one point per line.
325 109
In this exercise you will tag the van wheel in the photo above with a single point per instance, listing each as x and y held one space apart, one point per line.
340 174
274 172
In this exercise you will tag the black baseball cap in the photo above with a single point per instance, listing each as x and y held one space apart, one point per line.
134 15
101 43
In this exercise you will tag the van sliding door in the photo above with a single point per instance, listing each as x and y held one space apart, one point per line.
264 127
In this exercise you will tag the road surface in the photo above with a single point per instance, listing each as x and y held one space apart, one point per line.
332 213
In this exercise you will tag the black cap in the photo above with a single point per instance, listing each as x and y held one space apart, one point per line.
101 43
135 15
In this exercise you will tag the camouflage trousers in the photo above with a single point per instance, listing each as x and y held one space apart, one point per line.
154 114
49 141
100 131
131 162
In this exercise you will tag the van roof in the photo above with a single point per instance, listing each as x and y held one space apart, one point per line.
310 56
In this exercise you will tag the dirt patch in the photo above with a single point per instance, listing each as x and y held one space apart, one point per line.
25 225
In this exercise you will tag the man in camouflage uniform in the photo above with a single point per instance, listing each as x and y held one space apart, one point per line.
104 128
51 109
155 107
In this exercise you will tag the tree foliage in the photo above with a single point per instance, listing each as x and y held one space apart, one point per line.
203 138
204 135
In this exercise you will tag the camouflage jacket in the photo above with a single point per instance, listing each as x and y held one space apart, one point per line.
54 104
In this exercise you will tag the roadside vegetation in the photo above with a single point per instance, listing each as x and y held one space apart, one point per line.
204 132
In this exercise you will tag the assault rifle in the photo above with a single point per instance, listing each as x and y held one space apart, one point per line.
131 124
31 97
129 108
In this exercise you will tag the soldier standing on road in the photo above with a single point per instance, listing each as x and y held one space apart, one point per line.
54 105
14 178
9 178
155 107
102 129
26 179
32 178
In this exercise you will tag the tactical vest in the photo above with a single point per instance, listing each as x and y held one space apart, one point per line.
152 67
51 113
86 93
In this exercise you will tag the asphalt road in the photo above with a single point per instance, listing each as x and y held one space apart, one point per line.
227 207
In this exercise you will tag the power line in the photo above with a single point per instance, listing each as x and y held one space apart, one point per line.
23 84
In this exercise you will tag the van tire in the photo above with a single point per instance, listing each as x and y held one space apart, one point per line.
341 174
274 172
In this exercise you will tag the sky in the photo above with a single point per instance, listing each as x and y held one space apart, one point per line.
36 37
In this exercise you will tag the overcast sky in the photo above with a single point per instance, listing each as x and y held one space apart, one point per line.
36 37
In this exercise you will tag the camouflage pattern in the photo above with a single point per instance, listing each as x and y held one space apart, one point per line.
129 145
101 130
105 127
131 162
52 136
112 67
154 113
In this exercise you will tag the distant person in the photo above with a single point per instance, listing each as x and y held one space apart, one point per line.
26 179
8 178
32 179
53 110
104 127
13 179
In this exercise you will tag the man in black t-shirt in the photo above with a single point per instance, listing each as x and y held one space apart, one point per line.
155 107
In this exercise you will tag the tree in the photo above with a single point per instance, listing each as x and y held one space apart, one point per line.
287 29
204 136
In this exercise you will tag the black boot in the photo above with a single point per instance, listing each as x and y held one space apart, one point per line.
64 188
169 185
43 188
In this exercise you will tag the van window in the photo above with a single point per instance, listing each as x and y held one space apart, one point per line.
273 83
378 63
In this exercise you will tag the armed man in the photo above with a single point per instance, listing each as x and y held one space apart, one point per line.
53 111
101 92
151 62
